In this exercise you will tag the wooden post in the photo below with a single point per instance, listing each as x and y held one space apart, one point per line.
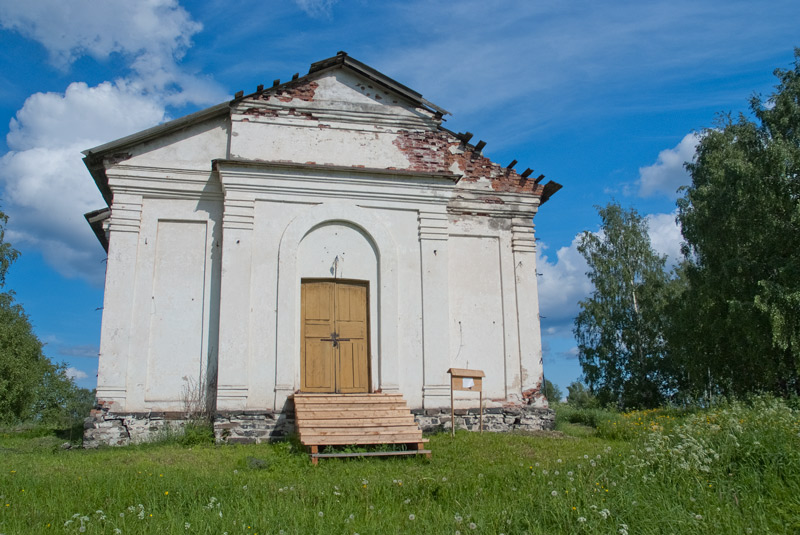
481 409
452 411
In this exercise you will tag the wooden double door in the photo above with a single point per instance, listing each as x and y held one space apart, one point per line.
334 355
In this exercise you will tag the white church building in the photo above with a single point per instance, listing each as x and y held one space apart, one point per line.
325 234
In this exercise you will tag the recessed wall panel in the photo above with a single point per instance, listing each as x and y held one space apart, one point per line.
176 321
477 338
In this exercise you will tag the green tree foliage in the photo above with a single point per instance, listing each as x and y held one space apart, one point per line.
620 326
31 387
552 392
737 327
580 397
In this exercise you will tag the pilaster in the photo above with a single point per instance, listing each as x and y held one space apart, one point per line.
433 239
124 226
523 246
234 333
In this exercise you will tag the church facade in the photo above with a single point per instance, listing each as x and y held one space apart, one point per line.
326 234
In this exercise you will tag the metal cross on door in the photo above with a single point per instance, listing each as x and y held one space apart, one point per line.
334 337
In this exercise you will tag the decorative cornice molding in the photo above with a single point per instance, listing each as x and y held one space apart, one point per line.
287 180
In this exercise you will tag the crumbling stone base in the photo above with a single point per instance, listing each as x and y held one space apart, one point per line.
498 419
252 427
107 428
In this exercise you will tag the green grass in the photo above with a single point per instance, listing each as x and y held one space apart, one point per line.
729 470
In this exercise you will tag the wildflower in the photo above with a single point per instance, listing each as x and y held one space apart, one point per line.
244 487
117 531
581 519
458 519
444 479
166 493
554 493
698 517
407 501
472 525
186 525
559 461
412 517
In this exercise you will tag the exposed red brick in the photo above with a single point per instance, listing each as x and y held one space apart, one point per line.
261 112
429 151
301 90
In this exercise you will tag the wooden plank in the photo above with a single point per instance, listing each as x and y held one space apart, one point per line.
348 398
338 440
365 431
463 372
373 454
364 422
353 414
333 405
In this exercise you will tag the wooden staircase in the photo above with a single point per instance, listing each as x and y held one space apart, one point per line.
356 419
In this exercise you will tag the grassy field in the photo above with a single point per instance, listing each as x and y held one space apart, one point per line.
735 469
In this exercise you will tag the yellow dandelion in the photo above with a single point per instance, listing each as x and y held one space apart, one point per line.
166 493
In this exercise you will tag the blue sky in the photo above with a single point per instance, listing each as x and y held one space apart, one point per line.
602 97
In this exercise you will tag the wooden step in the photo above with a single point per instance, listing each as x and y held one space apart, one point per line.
356 419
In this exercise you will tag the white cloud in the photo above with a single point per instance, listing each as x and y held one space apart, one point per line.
47 189
81 115
667 174
563 283
665 236
75 373
316 8
46 186
69 30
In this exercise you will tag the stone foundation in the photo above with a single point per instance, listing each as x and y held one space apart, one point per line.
104 427
248 427
498 419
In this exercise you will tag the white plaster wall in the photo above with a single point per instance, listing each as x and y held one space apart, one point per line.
351 123
174 316
477 339
191 148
